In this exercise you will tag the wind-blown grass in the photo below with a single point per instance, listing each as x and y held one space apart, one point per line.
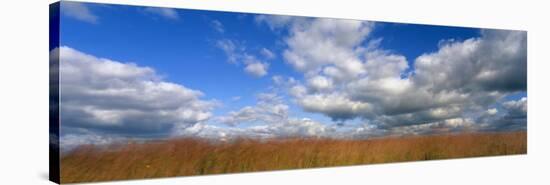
191 156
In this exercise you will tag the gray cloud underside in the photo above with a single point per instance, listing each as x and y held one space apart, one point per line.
102 96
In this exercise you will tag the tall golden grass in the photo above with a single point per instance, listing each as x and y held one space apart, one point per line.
188 156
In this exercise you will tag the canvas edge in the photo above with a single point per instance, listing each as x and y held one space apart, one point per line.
54 153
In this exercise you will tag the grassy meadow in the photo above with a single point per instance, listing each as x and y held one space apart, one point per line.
191 156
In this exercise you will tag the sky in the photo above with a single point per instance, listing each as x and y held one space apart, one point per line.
132 72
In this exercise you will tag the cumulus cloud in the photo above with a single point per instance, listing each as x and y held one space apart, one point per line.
347 75
496 61
78 11
511 116
268 118
269 108
445 126
112 98
335 105
255 67
320 83
168 13
318 43
296 128
516 108
288 128
315 44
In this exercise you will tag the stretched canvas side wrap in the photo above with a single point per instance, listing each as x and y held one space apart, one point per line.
148 92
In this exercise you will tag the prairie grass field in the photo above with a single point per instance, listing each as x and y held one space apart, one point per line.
192 156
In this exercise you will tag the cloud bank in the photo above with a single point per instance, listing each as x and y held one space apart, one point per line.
105 97
343 74
348 76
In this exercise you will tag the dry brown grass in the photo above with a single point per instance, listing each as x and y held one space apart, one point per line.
187 156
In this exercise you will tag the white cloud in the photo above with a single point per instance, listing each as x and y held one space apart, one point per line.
335 105
510 115
254 66
78 11
203 130
283 81
297 128
230 49
496 61
321 43
298 91
112 98
237 54
439 127
320 83
516 108
492 111
168 13
71 141
268 54
270 108
257 69
269 118
218 26
287 128
420 117
349 76
275 22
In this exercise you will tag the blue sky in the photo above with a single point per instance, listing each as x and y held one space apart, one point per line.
185 47
182 50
